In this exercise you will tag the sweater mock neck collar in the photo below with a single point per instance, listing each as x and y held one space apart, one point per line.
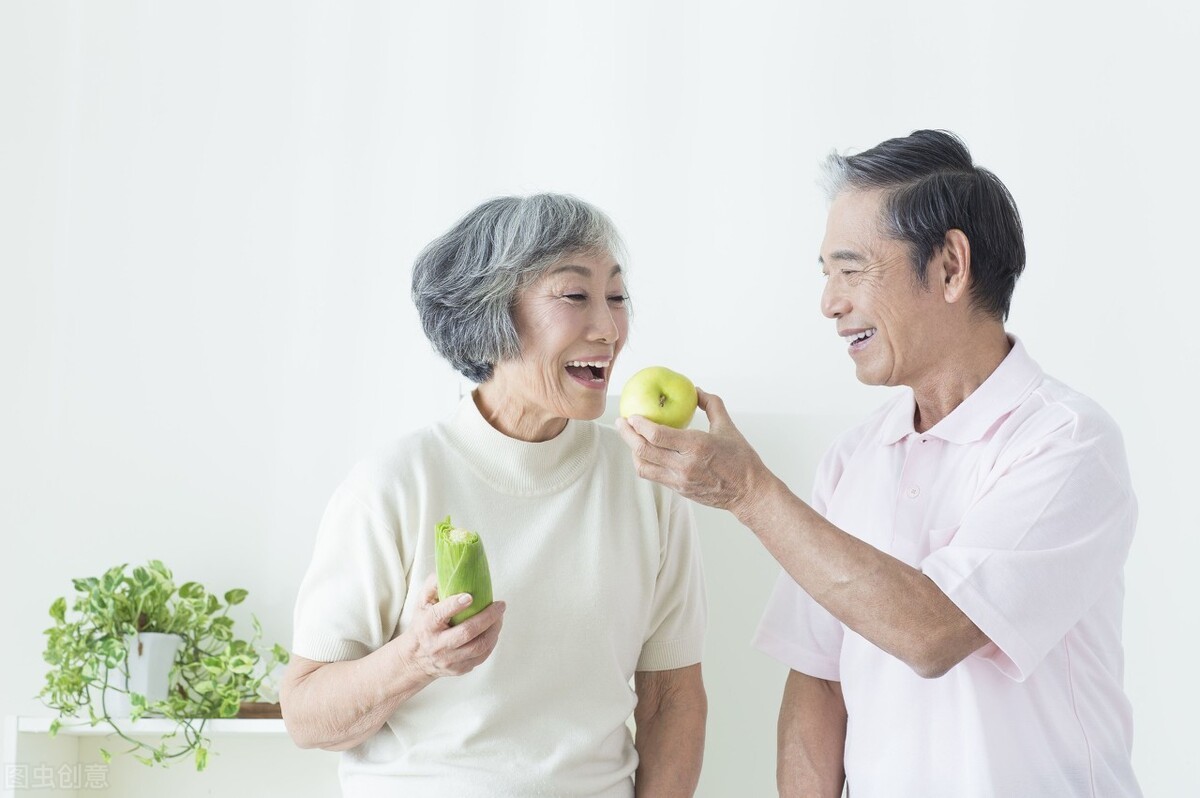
517 467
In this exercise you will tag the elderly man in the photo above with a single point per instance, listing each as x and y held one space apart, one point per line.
950 603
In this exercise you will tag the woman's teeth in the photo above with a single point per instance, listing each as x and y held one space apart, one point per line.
587 369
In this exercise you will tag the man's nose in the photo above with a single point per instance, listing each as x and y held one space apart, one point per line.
834 303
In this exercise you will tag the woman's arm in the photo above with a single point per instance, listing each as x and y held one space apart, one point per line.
671 711
338 705
812 738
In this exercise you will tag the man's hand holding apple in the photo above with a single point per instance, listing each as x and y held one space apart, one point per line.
717 468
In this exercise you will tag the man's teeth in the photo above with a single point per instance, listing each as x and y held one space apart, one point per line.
581 363
862 336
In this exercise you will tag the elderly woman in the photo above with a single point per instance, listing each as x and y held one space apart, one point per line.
599 571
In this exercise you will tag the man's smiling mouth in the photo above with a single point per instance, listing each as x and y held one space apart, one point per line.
857 339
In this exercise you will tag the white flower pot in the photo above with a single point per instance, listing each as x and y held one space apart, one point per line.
149 661
151 656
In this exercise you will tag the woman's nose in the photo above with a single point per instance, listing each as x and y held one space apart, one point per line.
604 324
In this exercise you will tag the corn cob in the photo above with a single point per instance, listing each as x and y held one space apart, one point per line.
462 567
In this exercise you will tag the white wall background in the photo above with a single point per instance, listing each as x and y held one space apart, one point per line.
208 212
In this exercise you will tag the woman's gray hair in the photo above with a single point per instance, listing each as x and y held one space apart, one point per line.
932 186
466 281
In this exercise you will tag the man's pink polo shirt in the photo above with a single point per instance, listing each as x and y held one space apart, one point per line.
1019 506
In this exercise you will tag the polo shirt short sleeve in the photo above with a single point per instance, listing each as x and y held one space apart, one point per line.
795 629
1042 542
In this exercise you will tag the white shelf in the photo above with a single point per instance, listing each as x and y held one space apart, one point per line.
70 764
151 726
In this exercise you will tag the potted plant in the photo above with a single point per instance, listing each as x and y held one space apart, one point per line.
100 648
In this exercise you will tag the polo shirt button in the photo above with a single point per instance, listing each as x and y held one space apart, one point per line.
914 492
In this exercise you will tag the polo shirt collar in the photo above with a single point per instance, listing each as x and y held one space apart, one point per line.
1002 391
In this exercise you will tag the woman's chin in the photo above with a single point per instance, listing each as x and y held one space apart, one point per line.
588 409
586 415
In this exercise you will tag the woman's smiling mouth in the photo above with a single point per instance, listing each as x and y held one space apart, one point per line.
589 373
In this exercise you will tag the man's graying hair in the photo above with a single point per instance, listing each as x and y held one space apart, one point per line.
466 281
932 186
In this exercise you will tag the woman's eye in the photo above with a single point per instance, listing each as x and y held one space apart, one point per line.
618 299
576 297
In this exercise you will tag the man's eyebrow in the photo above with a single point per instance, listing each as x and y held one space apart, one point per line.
844 254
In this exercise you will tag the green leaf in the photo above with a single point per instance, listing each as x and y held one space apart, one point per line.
191 590
201 758
98 604
58 610
236 596
222 628
230 707
106 756
85 585
110 651
281 654
240 663
55 725
112 578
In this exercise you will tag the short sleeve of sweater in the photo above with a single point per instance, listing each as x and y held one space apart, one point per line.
350 599
680 611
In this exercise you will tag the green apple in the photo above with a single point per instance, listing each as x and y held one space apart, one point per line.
661 395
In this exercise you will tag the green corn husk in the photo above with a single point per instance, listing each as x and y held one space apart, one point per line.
462 567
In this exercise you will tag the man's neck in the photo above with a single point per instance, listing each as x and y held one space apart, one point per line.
964 369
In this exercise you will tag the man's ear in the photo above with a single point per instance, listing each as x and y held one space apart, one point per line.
956 265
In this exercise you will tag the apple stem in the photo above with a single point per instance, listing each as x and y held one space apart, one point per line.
662 401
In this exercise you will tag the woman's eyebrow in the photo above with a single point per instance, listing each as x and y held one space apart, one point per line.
582 270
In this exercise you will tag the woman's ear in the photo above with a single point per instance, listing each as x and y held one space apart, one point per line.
956 265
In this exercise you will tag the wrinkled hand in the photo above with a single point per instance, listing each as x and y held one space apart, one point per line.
717 468
438 649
